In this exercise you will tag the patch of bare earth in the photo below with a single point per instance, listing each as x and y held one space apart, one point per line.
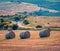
34 43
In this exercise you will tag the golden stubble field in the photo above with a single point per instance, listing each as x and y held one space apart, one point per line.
34 43
41 20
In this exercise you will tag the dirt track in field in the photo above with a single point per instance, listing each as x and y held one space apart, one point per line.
34 43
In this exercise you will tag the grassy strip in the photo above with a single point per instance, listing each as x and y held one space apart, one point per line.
52 28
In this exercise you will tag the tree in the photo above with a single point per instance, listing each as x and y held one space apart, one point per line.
26 22
15 27
16 19
1 20
38 26
5 27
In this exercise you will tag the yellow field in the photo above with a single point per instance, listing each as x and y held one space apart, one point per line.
41 20
34 43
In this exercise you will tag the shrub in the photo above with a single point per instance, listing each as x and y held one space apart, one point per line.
5 27
15 27
16 18
48 23
38 26
26 22
1 20
1 26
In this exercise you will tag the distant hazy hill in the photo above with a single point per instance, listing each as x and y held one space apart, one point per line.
40 13
4 13
36 8
51 4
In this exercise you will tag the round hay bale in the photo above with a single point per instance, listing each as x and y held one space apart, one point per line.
27 34
24 35
10 29
49 29
7 36
45 33
10 35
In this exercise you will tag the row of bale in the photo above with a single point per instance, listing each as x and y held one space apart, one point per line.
26 34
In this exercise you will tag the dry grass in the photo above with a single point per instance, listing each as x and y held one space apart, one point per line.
34 43
39 20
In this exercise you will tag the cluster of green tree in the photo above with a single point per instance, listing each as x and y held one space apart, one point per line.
19 17
4 24
16 17
6 21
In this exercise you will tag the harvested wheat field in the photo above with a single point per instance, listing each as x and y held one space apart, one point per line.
34 43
